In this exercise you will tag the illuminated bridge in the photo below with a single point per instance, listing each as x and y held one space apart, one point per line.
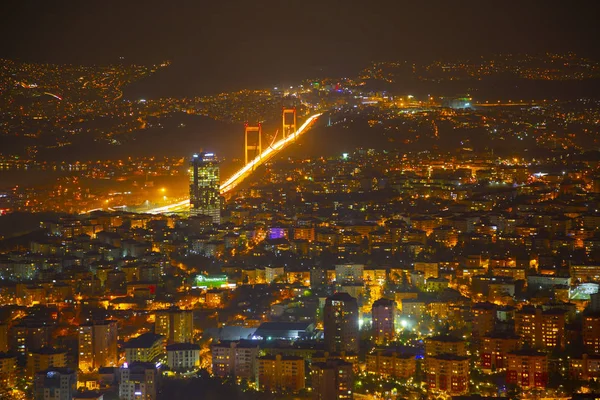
290 134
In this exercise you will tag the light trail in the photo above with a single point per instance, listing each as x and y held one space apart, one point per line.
533 103
91 211
236 178
53 95
247 169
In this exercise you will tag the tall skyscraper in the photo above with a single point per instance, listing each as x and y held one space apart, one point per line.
340 323
205 198
97 345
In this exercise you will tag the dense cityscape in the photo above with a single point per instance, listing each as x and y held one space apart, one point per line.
415 228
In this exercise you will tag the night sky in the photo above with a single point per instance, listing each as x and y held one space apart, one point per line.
279 39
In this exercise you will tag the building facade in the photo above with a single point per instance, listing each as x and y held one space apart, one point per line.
340 323
332 380
541 328
97 345
8 370
528 369
176 325
384 316
55 384
391 364
237 359
494 350
183 356
205 198
281 373
445 344
44 358
138 381
148 347
591 332
447 374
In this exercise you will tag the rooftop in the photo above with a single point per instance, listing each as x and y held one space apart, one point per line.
143 341
182 346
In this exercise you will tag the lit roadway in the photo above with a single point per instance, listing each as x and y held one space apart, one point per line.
246 170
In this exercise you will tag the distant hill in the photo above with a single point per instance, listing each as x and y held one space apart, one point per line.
180 135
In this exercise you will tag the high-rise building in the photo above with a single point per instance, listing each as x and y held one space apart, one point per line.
494 350
205 197
528 369
237 359
447 374
148 347
246 354
55 384
183 356
340 323
332 380
31 336
44 358
446 365
541 328
223 359
138 380
445 344
175 324
97 345
383 314
591 332
391 363
584 367
285 373
484 318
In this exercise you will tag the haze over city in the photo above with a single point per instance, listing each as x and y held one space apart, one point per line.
218 46
299 200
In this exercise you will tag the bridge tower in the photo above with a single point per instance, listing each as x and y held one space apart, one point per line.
257 144
289 124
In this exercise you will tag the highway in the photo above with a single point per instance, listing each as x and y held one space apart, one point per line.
246 170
